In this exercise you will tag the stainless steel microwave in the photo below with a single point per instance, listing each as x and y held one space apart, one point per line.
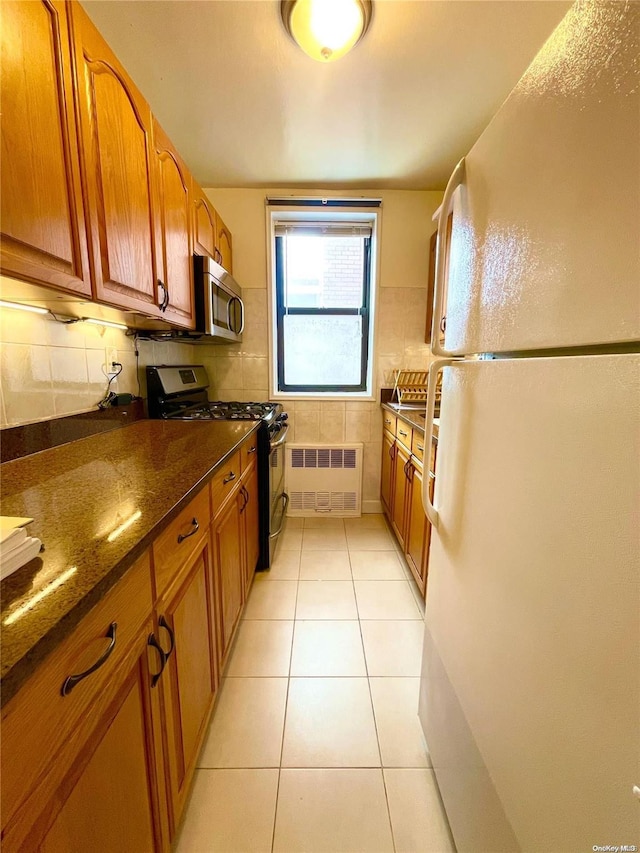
219 305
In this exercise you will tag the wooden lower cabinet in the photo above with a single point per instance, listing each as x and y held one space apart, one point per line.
251 524
187 634
400 480
108 766
401 497
115 802
105 791
388 457
226 535
418 529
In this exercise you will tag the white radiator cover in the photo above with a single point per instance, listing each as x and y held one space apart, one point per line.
324 479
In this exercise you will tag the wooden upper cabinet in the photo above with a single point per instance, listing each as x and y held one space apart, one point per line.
116 141
43 235
223 245
204 223
173 225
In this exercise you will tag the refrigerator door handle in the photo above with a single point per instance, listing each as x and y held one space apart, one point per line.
434 369
440 285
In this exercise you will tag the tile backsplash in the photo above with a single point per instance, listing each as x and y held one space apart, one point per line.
49 369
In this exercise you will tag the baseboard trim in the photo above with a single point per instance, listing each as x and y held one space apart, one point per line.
371 506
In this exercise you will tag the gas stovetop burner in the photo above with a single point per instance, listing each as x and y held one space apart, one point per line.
240 411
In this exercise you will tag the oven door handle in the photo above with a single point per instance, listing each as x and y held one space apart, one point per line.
285 502
281 440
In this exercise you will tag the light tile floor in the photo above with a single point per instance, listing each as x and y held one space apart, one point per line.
315 743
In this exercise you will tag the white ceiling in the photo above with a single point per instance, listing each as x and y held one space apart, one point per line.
246 108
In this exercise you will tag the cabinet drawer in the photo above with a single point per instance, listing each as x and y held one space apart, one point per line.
389 421
404 434
225 481
417 445
249 451
180 539
39 720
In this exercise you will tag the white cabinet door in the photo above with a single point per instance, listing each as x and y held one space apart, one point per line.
544 249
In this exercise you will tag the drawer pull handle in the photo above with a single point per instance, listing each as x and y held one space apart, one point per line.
252 449
228 479
162 622
151 641
196 527
71 681
405 434
420 448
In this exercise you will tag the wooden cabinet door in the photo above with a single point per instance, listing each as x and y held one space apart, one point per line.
400 489
186 630
173 232
251 522
223 245
386 482
204 225
113 796
227 534
417 525
43 237
116 139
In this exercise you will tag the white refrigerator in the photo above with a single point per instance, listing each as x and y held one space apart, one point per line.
530 689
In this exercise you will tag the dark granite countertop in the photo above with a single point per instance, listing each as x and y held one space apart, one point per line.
79 494
414 417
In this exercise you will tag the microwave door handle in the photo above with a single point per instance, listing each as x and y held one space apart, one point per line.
241 304
230 318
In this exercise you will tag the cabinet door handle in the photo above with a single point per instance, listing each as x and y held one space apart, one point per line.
420 447
195 527
71 681
245 497
251 449
165 298
405 434
151 641
162 623
228 479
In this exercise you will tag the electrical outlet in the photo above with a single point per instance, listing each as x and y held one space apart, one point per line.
110 355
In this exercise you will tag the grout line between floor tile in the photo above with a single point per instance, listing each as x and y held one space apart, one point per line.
373 712
286 707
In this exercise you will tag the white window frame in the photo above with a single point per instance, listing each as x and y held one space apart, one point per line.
300 214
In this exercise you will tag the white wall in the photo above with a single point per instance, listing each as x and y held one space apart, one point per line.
242 371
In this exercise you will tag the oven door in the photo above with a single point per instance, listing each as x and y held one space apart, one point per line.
278 497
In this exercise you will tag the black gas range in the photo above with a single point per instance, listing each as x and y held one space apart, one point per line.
180 392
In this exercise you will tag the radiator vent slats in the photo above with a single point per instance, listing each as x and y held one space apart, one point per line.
322 457
324 479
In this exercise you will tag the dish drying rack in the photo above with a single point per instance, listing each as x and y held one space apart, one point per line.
410 386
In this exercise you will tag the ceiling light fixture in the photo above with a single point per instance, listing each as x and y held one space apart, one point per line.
326 29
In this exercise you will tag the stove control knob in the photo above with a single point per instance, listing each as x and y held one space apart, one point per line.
282 417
